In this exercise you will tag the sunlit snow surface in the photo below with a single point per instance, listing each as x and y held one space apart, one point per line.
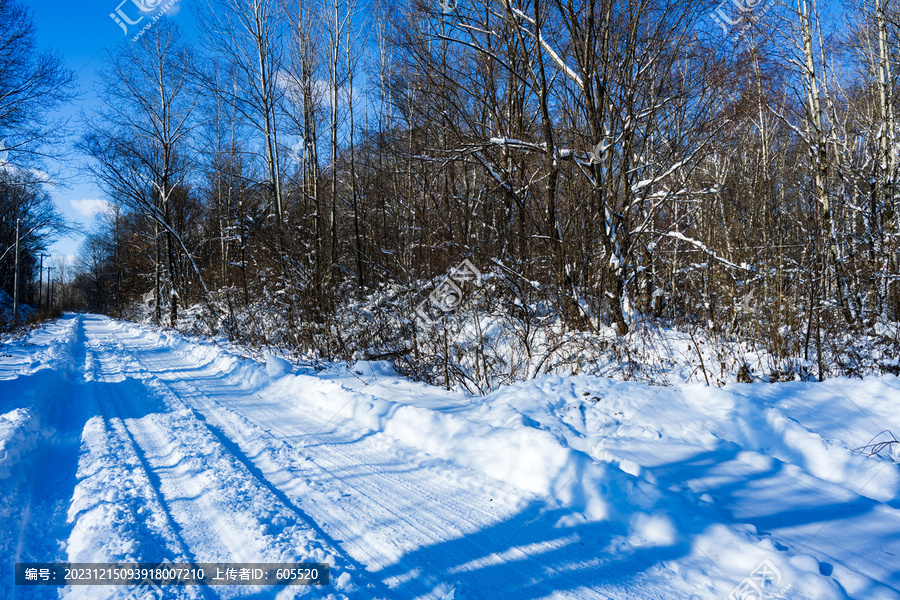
121 443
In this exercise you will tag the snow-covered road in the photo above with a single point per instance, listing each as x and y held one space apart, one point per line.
121 443
153 454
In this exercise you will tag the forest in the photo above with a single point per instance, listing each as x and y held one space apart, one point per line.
483 191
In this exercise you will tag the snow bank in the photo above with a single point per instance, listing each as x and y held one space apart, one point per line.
277 367
36 370
6 308
528 458
19 434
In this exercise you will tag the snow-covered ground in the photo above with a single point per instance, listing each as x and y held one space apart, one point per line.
124 443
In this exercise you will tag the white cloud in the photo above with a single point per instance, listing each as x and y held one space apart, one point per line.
321 89
89 207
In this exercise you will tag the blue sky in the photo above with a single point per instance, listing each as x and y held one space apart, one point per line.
81 32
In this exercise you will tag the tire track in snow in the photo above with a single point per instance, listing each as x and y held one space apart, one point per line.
152 489
433 526
147 437
37 501
81 502
426 517
366 505
37 493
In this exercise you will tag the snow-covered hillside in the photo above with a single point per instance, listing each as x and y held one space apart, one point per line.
125 443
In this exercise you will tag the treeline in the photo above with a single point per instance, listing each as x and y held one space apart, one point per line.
304 174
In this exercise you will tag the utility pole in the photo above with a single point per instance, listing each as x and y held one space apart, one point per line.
41 281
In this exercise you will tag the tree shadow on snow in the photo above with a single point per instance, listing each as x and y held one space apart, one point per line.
533 553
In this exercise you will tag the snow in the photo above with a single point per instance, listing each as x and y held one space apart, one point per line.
122 442
19 432
277 367
6 308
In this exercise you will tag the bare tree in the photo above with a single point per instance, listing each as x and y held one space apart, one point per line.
33 83
248 36
139 141
305 101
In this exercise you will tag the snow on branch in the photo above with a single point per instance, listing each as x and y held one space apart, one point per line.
703 247
570 73
654 180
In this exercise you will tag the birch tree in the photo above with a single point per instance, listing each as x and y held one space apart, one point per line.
248 36
807 56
